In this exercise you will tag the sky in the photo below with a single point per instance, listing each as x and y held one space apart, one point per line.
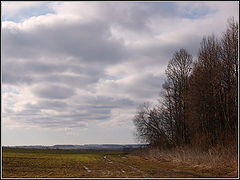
75 72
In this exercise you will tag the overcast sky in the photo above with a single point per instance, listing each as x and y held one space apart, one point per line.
75 72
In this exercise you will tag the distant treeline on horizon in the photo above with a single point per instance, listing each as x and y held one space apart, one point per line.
85 146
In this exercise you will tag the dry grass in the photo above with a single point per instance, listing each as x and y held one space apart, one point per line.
221 160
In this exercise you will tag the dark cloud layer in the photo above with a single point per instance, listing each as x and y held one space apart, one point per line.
88 42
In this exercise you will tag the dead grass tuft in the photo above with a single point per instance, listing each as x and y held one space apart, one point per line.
221 160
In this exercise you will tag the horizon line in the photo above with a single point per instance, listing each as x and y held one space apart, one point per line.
78 144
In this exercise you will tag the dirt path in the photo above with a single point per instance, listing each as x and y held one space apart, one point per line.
130 167
87 169
108 160
122 171
123 168
139 171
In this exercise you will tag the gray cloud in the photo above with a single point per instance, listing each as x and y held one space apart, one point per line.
90 42
33 67
53 92
32 72
160 53
43 104
15 79
105 101
54 122
73 81
139 88
66 119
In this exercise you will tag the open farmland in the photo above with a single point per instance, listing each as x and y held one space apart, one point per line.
36 163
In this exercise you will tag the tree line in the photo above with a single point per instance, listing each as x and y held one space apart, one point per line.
198 104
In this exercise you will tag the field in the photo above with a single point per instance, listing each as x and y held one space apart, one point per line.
46 163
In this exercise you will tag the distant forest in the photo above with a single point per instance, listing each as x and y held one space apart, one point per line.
198 104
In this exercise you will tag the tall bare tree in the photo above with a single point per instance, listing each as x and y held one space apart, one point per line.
213 89
178 72
228 77
202 92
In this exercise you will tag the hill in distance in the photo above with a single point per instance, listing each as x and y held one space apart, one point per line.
86 147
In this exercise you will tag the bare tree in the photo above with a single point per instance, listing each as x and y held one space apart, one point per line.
213 89
150 127
177 85
203 97
228 77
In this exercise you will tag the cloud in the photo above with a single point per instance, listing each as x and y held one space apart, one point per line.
82 62
53 92
88 42
140 87
46 104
